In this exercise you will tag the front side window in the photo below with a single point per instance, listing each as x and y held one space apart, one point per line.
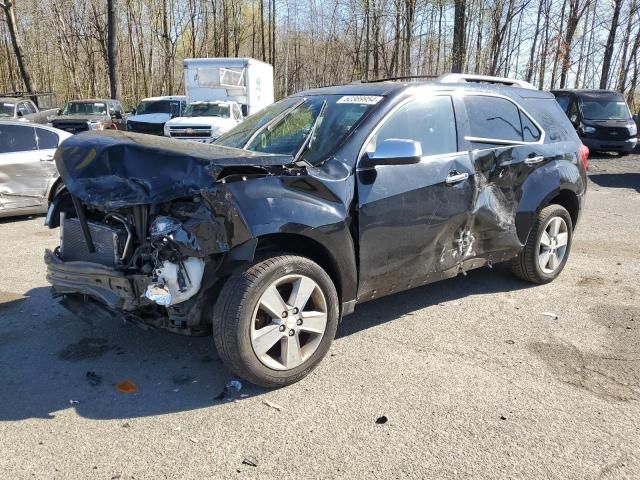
17 138
430 122
22 109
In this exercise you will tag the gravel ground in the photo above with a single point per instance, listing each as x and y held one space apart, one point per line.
474 379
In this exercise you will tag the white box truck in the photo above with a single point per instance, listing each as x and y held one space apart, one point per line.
220 92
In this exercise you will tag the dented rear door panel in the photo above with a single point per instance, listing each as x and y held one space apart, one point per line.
25 178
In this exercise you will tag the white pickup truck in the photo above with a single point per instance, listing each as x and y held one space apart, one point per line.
204 121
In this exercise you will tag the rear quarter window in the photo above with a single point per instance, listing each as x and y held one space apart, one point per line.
549 115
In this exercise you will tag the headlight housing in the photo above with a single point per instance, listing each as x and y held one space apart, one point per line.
167 133
633 129
588 129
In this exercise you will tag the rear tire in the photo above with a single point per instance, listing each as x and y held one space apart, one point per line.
548 246
263 344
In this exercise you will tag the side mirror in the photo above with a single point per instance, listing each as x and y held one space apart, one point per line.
133 111
19 113
60 112
394 151
574 119
117 115
636 118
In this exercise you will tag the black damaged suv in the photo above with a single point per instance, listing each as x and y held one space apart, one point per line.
328 198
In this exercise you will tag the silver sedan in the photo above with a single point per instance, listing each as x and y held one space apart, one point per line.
28 175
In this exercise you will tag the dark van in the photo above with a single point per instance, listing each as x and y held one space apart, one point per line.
601 118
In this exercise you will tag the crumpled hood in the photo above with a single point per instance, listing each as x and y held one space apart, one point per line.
113 169
155 118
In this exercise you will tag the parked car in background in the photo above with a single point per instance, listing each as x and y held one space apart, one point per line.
602 119
24 110
325 199
204 121
83 115
28 175
152 113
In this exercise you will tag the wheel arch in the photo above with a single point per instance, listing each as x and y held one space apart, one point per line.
53 189
310 248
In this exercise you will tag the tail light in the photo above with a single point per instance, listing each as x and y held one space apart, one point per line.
584 156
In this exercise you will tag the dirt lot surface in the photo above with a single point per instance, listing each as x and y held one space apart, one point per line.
476 376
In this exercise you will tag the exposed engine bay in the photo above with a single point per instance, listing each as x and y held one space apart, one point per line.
148 247
152 263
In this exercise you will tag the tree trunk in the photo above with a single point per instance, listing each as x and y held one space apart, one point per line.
112 48
458 49
611 40
530 65
10 14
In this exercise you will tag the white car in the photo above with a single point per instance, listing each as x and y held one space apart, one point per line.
28 174
204 121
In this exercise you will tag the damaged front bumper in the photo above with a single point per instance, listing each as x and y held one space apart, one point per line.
98 292
110 286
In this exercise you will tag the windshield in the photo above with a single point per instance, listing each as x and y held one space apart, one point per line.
207 110
158 106
6 109
85 108
604 106
312 126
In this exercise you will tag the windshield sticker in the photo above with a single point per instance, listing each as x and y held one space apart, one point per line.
360 99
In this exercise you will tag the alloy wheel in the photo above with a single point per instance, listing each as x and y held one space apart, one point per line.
289 322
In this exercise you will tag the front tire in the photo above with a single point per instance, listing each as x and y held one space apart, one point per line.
547 249
275 321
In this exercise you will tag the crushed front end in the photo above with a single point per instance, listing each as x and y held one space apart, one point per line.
148 229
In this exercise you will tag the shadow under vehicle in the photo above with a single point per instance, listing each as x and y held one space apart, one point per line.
326 199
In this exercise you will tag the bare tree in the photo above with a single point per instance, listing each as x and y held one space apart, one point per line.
9 11
611 39
458 49
112 49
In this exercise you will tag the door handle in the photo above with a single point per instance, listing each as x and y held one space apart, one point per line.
455 177
534 160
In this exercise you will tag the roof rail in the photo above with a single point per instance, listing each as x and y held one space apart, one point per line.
465 78
402 77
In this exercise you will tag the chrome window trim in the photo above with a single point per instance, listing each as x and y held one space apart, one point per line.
499 141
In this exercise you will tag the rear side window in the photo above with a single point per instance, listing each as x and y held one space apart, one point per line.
17 138
530 133
495 118
430 122
47 139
